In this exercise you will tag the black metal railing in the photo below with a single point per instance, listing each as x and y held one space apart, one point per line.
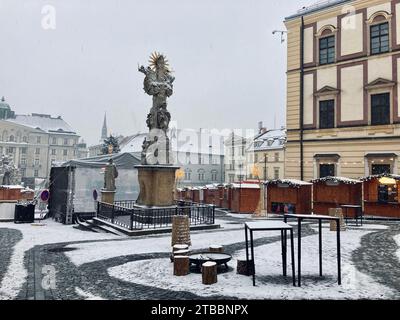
135 218
130 204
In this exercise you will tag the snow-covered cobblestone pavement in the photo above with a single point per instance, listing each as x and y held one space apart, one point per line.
102 266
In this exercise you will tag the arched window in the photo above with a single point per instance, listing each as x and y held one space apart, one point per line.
214 175
25 139
379 32
12 138
188 174
201 173
326 40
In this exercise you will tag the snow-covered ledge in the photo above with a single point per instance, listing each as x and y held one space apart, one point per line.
7 210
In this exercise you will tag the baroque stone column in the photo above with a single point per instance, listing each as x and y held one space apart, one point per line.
156 174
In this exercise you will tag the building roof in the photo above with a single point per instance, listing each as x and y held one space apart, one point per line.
321 5
269 140
43 122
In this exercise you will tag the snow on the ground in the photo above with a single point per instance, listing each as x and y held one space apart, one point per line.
89 252
355 285
51 232
397 239
87 295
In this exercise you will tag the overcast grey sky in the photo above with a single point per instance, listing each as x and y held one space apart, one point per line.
229 68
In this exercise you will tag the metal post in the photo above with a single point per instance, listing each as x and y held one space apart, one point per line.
252 258
320 246
112 214
292 254
299 251
283 254
247 248
131 222
338 251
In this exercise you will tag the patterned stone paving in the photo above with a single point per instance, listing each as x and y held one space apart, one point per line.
376 257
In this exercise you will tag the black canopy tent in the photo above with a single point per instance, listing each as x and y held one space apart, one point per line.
72 184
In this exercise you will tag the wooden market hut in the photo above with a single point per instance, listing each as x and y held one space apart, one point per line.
187 194
197 194
288 196
382 195
179 195
332 192
211 194
223 196
244 197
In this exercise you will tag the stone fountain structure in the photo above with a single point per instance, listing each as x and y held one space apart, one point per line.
156 174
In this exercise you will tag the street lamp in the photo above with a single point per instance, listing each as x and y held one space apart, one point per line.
281 32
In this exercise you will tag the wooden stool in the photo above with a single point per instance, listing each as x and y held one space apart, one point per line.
244 268
337 212
216 249
181 253
179 247
209 272
181 266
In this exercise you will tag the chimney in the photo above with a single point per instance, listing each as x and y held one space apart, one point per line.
261 128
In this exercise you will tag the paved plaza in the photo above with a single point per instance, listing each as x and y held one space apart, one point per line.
91 265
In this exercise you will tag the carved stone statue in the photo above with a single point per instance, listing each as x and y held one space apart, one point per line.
110 174
9 173
158 83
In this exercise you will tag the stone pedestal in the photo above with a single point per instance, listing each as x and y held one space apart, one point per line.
107 196
157 184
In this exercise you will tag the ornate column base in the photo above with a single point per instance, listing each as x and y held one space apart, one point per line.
107 196
157 185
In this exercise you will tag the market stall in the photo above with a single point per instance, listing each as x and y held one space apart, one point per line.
288 196
72 184
382 195
211 194
223 196
334 192
244 197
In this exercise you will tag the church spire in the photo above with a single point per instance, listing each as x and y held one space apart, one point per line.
104 129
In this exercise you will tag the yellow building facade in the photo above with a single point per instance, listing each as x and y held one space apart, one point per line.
343 72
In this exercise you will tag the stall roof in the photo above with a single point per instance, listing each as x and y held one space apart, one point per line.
244 186
378 176
291 182
121 160
338 179
212 186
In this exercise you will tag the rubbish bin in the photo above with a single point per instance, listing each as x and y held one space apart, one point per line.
24 213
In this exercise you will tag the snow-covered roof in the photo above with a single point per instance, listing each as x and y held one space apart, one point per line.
43 122
290 182
244 186
187 140
338 179
320 5
11 187
269 140
121 160
383 175
212 186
